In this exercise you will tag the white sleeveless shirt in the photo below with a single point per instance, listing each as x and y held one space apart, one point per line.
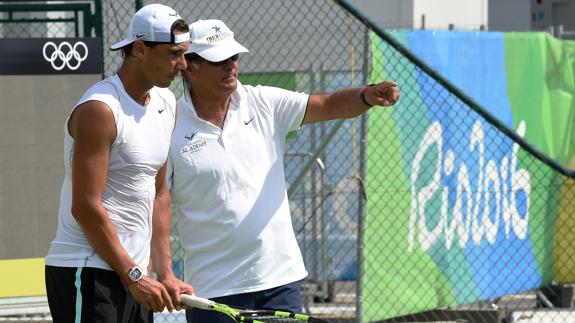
138 152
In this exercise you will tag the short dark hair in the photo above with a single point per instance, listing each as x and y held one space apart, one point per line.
179 25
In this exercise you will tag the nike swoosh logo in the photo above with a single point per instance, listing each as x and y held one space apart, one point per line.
249 121
140 36
160 111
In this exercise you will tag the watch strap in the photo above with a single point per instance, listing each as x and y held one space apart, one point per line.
362 92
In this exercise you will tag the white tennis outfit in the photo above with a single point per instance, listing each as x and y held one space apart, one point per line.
228 186
139 151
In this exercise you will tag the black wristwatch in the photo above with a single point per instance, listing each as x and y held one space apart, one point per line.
135 274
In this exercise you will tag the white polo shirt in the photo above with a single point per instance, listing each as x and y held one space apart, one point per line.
228 186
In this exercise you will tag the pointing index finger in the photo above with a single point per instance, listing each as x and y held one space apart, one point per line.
389 84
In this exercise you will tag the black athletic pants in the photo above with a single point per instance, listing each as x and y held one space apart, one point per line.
91 295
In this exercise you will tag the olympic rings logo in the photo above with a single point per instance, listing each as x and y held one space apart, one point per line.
65 54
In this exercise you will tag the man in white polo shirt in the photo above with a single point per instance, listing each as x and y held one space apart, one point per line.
114 195
226 173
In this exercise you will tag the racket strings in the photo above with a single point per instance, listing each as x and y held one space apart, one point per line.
265 316
275 319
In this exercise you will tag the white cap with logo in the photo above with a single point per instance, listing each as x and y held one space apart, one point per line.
213 40
152 23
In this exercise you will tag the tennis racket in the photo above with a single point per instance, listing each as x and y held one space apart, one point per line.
244 315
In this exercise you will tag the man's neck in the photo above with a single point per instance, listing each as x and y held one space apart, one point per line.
212 108
133 85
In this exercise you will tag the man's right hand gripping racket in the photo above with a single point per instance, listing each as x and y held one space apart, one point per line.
245 315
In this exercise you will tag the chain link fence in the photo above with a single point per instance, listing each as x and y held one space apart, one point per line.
308 46
50 19
464 180
490 212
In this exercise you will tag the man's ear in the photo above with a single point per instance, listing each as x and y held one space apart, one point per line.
191 70
139 48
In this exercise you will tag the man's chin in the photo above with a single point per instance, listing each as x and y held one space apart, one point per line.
164 84
231 83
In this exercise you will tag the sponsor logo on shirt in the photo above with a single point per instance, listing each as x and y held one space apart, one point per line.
249 121
190 136
194 147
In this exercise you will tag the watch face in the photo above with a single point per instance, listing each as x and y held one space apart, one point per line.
135 274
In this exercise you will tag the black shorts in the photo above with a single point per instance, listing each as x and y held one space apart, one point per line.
83 294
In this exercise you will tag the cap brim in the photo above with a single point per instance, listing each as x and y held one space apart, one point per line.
220 52
121 44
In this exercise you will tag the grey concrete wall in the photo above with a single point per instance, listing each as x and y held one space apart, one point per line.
389 13
509 15
32 114
547 13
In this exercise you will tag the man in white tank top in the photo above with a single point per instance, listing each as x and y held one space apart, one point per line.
228 144
114 194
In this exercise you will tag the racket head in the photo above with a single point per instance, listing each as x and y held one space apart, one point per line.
261 316
246 315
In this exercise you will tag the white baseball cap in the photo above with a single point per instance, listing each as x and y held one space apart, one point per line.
152 23
213 40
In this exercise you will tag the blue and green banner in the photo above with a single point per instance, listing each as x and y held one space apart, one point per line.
457 211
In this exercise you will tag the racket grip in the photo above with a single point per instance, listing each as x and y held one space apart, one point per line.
197 302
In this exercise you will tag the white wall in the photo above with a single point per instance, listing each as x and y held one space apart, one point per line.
463 14
495 15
